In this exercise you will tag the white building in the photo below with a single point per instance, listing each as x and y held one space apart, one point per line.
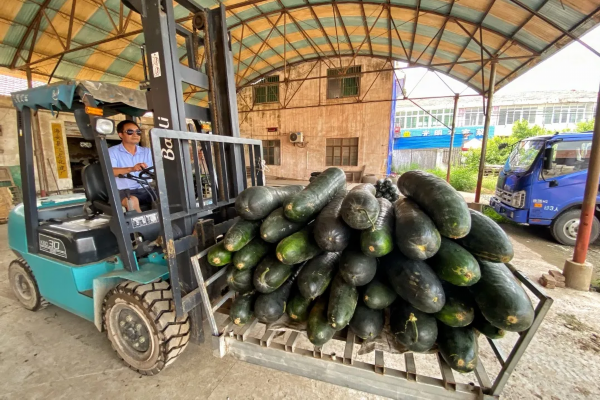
554 110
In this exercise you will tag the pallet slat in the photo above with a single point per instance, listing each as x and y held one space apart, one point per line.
411 369
349 349
290 345
447 375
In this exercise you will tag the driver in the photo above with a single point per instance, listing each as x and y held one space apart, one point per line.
128 157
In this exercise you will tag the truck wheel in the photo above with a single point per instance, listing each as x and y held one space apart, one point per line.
24 285
564 228
141 324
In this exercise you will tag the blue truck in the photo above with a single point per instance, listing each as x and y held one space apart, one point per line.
543 182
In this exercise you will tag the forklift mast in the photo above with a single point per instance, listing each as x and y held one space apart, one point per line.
176 151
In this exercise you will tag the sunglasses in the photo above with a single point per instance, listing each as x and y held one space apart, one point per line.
132 131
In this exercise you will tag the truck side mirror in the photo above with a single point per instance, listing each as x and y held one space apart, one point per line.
548 157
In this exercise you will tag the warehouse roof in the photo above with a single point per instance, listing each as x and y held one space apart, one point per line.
100 39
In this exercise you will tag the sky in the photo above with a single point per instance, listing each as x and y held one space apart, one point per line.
572 68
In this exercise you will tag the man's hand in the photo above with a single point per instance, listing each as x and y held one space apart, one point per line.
139 167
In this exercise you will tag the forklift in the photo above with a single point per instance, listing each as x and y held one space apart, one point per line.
131 273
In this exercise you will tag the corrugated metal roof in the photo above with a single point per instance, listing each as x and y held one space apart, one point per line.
443 35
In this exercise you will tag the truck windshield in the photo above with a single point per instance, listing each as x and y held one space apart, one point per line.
523 155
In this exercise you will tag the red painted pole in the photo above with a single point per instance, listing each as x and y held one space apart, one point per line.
486 130
456 96
591 192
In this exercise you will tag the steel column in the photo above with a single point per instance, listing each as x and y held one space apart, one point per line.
486 130
456 97
39 149
591 192
223 95
28 177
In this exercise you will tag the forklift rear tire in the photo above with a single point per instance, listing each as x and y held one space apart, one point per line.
564 228
141 324
24 285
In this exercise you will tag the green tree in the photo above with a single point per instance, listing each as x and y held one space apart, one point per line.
499 147
522 130
585 126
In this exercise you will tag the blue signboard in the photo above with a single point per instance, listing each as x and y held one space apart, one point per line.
435 138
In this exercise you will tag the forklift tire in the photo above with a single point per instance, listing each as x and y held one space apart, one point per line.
141 324
24 285
564 228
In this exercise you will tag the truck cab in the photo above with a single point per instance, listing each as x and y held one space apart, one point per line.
543 183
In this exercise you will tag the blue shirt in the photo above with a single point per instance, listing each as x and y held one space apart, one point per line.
121 158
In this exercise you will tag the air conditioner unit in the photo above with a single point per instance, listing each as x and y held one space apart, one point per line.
296 137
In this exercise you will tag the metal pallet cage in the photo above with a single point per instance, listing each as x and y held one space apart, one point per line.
258 346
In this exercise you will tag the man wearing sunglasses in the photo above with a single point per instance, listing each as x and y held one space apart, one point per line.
129 157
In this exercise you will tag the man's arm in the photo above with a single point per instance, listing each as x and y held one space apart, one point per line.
126 170
122 171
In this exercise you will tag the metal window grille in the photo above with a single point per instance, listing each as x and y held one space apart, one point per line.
267 93
340 84
272 152
341 152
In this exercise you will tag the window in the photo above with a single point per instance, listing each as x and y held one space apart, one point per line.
267 93
473 116
341 152
568 113
445 116
272 152
569 157
510 115
421 119
340 84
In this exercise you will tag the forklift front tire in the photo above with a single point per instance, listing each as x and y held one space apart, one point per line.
141 324
564 228
24 285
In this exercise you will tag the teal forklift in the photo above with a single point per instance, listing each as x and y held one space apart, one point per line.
131 273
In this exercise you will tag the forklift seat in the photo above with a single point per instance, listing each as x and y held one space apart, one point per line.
95 189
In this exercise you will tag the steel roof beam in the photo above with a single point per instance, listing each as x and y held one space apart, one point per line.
370 2
34 21
555 26
343 26
383 6
442 28
596 11
389 27
316 19
477 26
416 24
278 31
70 28
264 42
273 27
103 5
401 41
449 14
432 66
93 44
309 40
249 49
365 27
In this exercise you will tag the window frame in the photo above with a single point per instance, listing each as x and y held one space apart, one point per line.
276 152
341 149
341 83
547 173
271 92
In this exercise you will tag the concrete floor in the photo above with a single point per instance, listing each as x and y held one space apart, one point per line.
54 354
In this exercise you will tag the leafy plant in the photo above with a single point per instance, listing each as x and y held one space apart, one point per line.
490 212
585 126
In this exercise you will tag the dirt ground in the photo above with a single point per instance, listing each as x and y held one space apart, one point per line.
54 354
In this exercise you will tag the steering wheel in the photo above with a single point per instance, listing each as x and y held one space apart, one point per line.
147 173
